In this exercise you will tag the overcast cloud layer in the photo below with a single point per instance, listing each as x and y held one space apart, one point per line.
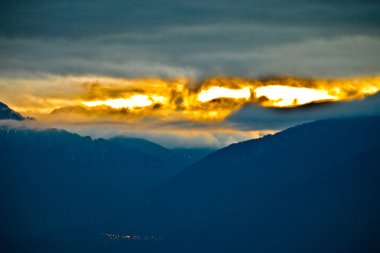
190 38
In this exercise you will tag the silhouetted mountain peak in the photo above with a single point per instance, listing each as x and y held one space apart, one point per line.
9 114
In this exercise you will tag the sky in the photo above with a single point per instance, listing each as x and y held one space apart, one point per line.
189 73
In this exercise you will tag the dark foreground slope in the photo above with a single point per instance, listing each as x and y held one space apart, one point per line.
53 181
337 210
233 178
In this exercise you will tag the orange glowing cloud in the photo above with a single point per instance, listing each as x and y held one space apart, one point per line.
288 96
213 99
222 92
132 102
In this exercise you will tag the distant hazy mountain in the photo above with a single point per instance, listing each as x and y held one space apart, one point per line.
260 181
8 113
170 158
53 180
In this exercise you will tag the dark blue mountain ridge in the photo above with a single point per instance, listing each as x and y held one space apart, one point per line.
7 113
235 176
310 188
52 180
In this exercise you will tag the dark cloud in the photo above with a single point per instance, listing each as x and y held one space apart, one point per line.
71 19
252 117
190 38
158 56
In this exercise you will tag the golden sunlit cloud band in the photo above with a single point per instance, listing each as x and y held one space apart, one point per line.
287 96
135 101
222 92
213 99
